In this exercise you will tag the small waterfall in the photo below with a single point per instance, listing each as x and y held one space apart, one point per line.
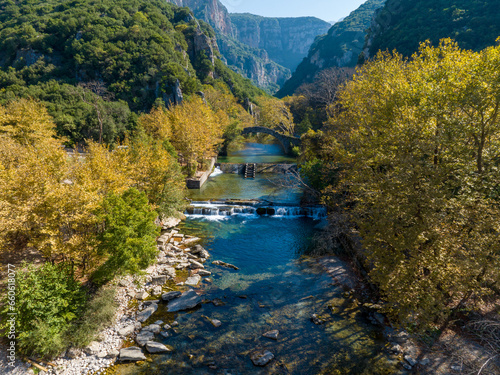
224 209
217 171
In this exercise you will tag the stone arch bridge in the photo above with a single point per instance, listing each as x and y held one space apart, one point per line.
286 141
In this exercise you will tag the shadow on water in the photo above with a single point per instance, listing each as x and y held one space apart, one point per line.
257 153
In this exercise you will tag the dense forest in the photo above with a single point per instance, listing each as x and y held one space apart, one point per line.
403 24
117 56
409 161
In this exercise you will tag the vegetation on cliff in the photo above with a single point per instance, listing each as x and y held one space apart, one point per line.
96 64
403 25
340 47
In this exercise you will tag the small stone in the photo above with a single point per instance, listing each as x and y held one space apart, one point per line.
456 367
101 354
272 334
159 322
143 337
73 353
159 280
216 322
316 320
261 358
164 334
175 323
155 328
195 264
167 326
141 295
113 353
156 347
425 362
157 290
150 302
411 361
93 348
128 330
132 354
396 349
193 280
406 366
218 302
204 273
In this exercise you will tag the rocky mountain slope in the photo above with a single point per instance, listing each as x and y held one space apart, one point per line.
263 49
403 24
340 47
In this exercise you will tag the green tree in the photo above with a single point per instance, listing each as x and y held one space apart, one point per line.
48 300
416 146
128 239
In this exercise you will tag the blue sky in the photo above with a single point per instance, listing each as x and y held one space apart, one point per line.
328 10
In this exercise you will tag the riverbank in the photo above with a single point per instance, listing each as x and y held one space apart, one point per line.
179 267
456 349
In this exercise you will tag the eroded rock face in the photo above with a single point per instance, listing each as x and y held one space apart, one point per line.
286 40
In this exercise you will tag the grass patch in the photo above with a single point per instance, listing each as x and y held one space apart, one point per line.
99 313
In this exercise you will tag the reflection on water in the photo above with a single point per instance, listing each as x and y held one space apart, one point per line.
265 186
257 153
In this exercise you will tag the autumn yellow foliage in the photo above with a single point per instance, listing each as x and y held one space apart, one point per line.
416 146
49 199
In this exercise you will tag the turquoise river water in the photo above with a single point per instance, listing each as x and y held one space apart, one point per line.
277 287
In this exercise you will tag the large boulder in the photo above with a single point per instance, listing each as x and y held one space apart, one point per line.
132 354
186 301
170 296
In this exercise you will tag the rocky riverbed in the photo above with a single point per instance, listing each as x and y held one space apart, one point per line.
178 268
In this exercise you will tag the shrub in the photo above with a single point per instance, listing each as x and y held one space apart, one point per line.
48 299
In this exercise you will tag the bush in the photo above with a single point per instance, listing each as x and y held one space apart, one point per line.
48 299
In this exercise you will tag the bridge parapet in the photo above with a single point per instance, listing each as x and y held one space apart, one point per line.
286 141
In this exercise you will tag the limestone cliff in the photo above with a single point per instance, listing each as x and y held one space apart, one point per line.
211 11
286 40
260 48
339 48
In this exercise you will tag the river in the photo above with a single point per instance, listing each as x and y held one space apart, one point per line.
278 287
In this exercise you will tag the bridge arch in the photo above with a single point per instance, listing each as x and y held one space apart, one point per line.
286 141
